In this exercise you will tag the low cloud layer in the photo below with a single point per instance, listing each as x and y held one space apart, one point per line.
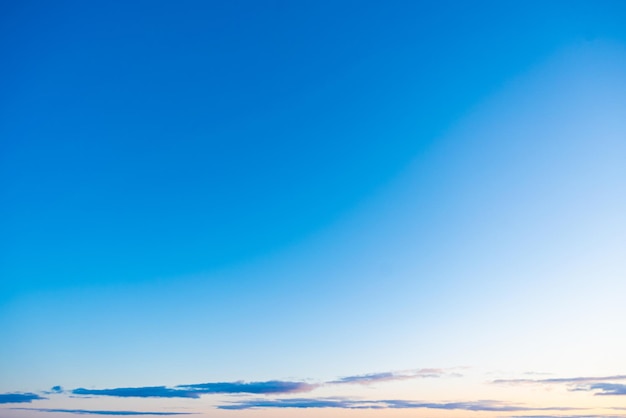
598 385
19 397
100 412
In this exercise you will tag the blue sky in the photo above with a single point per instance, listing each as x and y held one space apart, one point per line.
263 208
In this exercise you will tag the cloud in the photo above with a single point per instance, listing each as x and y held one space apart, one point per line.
301 403
366 379
605 388
99 412
196 390
565 380
54 390
269 387
602 384
568 416
140 392
484 405
19 397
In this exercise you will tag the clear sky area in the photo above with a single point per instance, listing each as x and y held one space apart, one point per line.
328 209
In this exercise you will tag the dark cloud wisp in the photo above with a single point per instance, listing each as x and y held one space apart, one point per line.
100 412
19 397
196 390
139 392
257 388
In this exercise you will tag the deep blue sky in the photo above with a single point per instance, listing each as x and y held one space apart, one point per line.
154 139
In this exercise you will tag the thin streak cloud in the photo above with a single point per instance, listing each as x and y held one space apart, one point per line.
196 390
568 416
565 380
269 387
340 403
366 379
100 412
138 392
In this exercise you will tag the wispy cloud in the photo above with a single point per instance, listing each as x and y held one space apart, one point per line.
366 379
270 387
602 385
341 403
19 397
198 389
562 380
100 412
568 416
195 390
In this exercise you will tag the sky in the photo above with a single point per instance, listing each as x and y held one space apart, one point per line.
328 209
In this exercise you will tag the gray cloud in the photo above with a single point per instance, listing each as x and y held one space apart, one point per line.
483 405
100 412
19 397
604 388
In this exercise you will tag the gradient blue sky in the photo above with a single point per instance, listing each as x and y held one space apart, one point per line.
273 208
